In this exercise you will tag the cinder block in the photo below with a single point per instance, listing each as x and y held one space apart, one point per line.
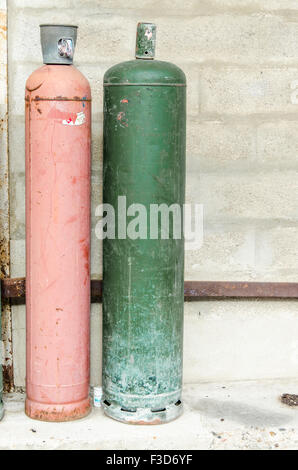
256 5
17 206
96 250
42 4
166 6
96 188
268 195
278 39
19 344
222 38
169 7
96 345
17 143
226 253
24 36
96 257
277 144
232 90
17 258
245 340
277 253
193 90
96 244
218 145
97 142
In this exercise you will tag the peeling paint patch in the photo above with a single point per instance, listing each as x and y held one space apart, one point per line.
122 120
80 120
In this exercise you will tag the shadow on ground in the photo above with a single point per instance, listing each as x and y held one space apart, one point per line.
241 413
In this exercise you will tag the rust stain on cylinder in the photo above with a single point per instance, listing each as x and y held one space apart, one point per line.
59 414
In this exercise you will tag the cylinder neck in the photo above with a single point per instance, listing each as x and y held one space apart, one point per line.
146 40
58 44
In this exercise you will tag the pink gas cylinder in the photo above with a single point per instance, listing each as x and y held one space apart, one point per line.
58 122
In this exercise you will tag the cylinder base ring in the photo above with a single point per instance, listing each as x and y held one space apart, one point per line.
57 413
143 416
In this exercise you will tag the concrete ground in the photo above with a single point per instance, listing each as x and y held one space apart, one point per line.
238 415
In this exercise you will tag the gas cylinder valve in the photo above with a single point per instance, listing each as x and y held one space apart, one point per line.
65 48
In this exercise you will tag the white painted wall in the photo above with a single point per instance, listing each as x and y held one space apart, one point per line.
242 160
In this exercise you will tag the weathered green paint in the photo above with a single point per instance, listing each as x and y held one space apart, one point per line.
143 291
1 375
146 38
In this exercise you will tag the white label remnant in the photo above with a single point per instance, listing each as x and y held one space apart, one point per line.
97 396
148 34
81 119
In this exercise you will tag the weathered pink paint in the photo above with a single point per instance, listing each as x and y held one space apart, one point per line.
58 243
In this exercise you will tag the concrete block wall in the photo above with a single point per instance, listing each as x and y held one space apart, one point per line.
241 62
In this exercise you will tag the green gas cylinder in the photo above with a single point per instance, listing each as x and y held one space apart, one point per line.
143 256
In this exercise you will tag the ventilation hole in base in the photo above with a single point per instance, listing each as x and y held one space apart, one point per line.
178 403
128 411
107 403
158 411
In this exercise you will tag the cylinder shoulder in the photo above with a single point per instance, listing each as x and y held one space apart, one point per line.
58 81
143 72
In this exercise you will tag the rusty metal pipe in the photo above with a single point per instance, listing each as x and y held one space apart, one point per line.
14 289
